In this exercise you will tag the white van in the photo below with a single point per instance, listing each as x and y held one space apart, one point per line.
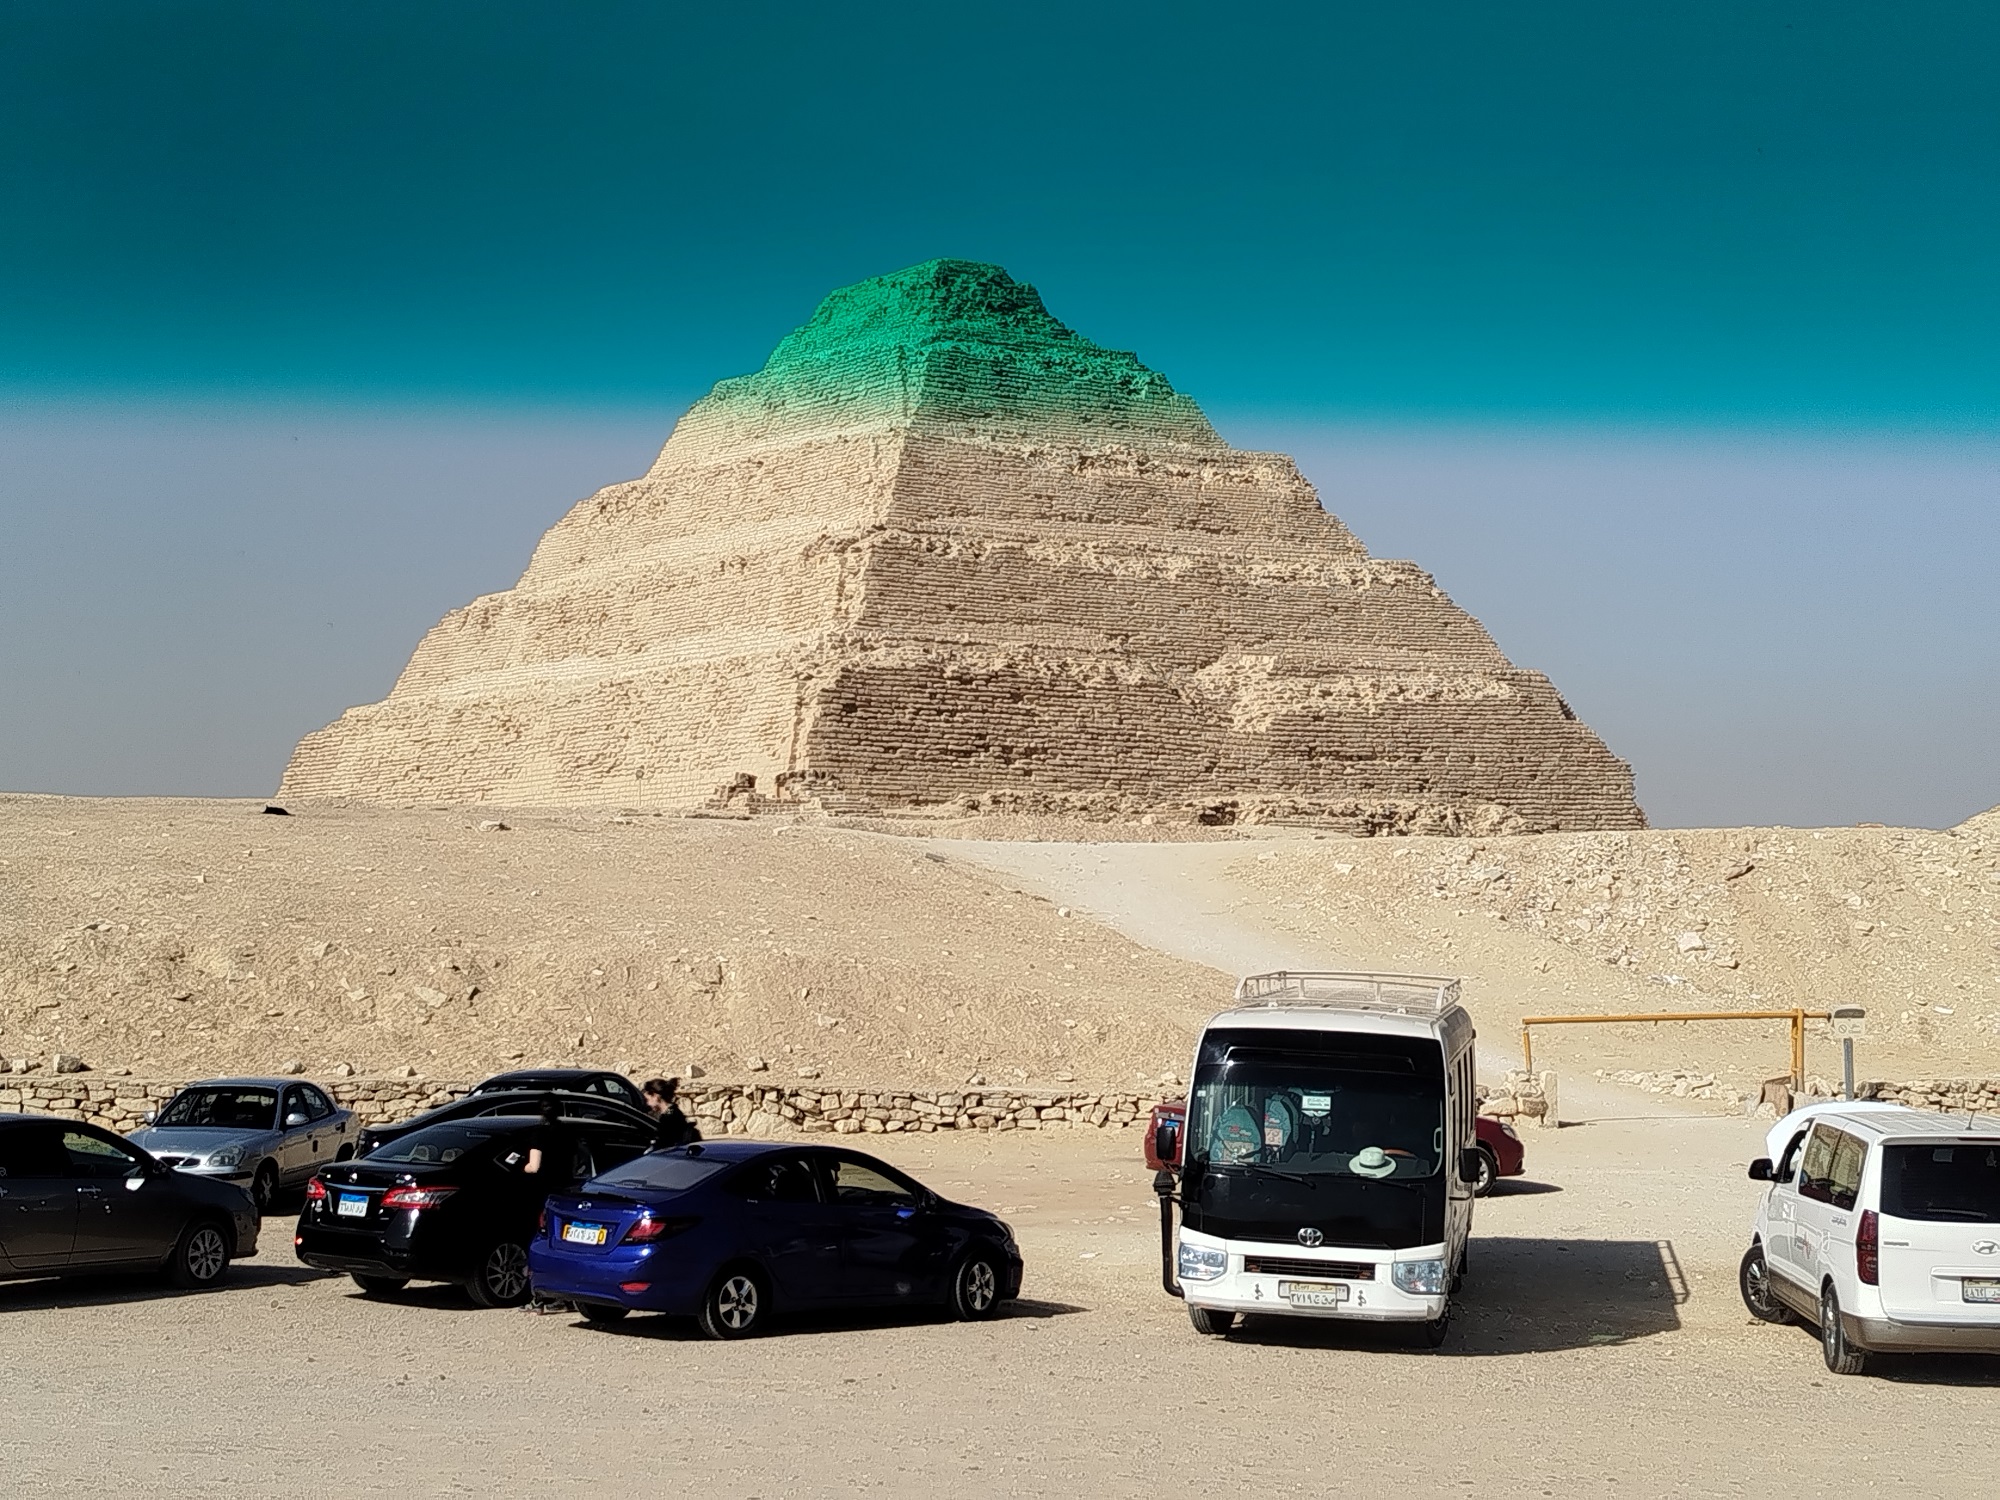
1329 1153
1883 1228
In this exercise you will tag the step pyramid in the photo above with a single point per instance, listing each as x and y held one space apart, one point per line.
943 552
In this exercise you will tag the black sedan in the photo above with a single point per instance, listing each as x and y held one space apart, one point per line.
453 1202
600 1082
77 1199
571 1106
731 1231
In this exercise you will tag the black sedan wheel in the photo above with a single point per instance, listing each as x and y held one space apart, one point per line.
503 1277
735 1306
975 1289
200 1257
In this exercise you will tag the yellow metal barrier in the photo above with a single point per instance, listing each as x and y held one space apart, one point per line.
1798 1018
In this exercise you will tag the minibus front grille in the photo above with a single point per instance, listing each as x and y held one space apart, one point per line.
1336 1270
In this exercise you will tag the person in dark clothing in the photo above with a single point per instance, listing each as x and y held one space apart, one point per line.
547 1146
671 1128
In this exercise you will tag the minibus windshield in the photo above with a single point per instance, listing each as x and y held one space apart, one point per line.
1312 1117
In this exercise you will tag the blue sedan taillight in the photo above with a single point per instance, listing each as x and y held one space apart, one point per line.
647 1230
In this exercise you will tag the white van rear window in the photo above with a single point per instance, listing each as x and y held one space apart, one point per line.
1957 1182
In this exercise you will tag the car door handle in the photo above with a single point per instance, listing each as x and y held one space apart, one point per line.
91 1192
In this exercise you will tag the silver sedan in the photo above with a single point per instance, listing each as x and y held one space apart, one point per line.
264 1134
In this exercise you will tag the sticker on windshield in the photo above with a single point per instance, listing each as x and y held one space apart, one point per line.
1316 1104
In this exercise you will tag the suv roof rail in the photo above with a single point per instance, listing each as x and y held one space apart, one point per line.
1401 994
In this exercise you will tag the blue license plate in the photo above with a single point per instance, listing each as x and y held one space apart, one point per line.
352 1206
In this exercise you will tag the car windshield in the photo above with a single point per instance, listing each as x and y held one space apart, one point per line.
1957 1182
223 1107
1315 1117
433 1146
659 1172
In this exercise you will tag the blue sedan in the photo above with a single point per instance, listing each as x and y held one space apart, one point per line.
731 1232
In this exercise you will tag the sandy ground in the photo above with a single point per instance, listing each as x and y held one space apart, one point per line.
1600 1349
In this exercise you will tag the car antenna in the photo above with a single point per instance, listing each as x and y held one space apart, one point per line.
694 1148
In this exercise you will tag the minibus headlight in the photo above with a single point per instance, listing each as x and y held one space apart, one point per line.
1202 1262
1420 1278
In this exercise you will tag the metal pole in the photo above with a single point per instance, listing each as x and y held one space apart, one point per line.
1798 1050
1847 1067
1527 1049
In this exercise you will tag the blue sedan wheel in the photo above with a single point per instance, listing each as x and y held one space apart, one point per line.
734 1307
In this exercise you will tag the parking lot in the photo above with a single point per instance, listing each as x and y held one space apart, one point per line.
1600 1347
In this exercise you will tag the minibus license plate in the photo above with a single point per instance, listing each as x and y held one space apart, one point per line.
585 1234
352 1206
1313 1293
1981 1289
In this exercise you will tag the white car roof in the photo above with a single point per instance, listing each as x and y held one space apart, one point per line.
1883 1122
1780 1135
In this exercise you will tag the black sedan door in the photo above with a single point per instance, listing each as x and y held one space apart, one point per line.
126 1210
37 1198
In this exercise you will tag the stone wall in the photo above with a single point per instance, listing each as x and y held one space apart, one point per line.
718 1108
1520 1096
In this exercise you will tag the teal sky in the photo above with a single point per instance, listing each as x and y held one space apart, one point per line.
1667 337
1740 211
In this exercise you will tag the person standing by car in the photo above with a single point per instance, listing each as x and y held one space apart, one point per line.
548 1160
546 1147
671 1127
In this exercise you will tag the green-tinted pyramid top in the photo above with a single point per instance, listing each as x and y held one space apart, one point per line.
954 345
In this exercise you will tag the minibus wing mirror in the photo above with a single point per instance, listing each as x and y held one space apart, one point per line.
1760 1170
1469 1164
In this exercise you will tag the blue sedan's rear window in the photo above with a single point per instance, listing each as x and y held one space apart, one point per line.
663 1172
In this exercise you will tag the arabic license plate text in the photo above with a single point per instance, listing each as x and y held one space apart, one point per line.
585 1234
1313 1293
1981 1290
352 1206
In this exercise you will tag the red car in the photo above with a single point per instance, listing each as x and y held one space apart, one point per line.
1500 1149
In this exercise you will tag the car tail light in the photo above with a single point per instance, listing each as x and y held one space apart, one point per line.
1868 1248
542 1220
649 1230
415 1197
315 1191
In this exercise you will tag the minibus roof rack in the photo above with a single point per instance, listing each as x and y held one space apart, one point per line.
1397 994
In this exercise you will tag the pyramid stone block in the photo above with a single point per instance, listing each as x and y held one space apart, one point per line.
943 550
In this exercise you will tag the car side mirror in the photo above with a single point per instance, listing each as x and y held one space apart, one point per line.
294 1121
150 1116
1760 1170
1469 1165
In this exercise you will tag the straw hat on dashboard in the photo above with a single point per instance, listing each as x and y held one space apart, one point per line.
1371 1161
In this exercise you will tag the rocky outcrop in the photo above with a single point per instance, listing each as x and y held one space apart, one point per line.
942 549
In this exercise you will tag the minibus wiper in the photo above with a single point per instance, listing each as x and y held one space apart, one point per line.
1254 1166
